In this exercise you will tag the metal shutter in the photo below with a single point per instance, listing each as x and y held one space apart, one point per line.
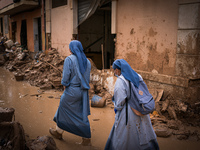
86 8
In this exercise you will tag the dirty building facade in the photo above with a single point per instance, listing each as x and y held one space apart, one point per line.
159 39
23 22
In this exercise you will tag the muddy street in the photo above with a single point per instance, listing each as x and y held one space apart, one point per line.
35 108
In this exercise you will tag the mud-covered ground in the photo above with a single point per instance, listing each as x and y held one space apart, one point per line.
35 112
35 108
31 84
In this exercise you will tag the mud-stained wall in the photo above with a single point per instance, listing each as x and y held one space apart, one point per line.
29 17
160 39
61 28
188 44
147 34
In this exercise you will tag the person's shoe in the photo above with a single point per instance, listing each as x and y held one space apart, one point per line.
86 142
55 134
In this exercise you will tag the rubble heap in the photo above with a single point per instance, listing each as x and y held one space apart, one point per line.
41 70
12 135
174 117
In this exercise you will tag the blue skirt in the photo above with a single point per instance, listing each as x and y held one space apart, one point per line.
69 115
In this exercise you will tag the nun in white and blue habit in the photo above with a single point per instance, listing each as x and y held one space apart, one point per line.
130 131
72 113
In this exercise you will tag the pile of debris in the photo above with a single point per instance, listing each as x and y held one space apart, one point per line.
44 70
102 83
171 117
12 135
40 69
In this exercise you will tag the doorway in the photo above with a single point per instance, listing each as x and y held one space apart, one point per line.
1 26
23 35
37 34
14 30
96 38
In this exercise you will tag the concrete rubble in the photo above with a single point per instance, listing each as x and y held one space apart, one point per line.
13 137
44 69
171 117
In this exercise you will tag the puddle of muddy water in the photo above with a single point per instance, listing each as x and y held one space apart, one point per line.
35 112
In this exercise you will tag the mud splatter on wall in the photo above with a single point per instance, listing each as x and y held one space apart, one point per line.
152 33
146 41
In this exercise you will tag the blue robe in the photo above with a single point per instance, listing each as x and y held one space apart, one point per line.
138 134
72 113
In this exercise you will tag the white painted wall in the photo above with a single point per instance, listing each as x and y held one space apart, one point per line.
62 28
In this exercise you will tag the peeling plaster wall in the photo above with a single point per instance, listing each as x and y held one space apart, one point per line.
147 34
61 28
